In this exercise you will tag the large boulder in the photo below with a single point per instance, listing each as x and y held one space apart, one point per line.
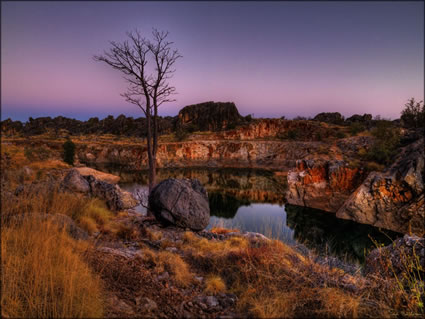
181 202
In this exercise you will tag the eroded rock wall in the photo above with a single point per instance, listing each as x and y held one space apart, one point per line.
393 199
243 154
322 184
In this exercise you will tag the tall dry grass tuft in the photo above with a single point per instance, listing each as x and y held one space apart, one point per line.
172 263
44 275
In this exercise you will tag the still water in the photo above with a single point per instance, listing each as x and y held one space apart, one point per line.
253 200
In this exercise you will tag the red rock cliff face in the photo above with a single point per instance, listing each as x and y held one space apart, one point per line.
393 199
244 154
322 184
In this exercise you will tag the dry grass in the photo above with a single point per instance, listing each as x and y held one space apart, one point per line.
44 275
172 263
272 280
214 285
222 231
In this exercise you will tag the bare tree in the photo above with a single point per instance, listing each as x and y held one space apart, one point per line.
147 66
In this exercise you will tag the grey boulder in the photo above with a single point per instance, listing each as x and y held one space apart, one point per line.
74 181
180 202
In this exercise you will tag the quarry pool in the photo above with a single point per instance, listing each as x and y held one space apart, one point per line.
252 200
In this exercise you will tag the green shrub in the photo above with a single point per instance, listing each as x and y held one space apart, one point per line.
356 128
385 146
413 115
68 152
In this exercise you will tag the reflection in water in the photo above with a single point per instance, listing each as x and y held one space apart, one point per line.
226 206
325 233
267 219
253 201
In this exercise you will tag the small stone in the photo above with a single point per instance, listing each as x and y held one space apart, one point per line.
165 275
171 249
190 304
211 301
146 304
203 306
199 279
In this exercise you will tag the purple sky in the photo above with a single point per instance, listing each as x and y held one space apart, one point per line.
270 58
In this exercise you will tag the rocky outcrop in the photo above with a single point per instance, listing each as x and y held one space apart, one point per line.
405 255
330 117
323 185
102 176
393 199
115 198
209 116
183 203
356 118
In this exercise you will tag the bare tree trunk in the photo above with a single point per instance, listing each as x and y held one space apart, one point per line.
151 172
155 143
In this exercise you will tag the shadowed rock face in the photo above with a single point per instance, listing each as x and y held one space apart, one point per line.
181 202
393 199
320 184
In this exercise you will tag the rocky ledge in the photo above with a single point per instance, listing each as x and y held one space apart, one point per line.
393 199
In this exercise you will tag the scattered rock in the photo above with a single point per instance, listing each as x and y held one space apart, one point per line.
392 260
146 304
181 202
122 252
70 226
211 301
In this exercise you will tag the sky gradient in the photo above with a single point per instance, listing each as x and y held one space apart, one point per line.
271 58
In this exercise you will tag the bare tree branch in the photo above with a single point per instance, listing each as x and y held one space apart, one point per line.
148 90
